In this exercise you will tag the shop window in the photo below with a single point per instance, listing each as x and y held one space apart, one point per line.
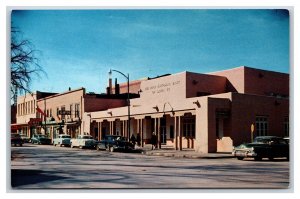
189 127
286 127
261 124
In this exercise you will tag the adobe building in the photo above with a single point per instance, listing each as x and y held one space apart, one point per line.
26 116
205 112
63 112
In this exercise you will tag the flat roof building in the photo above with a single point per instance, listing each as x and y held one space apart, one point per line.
206 112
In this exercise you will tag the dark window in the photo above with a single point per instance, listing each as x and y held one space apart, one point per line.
261 124
189 127
171 132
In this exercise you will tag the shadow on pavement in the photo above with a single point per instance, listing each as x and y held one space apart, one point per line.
20 177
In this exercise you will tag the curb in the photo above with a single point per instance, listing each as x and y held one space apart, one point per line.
191 156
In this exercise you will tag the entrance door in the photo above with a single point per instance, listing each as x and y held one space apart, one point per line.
163 135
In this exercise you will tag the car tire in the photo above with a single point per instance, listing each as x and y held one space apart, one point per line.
97 148
21 144
111 149
240 158
80 147
72 145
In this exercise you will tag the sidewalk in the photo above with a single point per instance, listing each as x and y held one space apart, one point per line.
185 153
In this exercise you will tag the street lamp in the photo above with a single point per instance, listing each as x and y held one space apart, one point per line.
128 101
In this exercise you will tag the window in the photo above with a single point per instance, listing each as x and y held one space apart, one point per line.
71 110
50 112
63 108
189 127
286 127
171 132
77 111
261 124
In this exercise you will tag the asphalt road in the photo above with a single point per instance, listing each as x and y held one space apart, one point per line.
49 167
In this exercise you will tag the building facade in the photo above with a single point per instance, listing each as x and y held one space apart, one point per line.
26 113
206 112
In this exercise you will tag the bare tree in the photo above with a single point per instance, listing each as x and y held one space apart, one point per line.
24 63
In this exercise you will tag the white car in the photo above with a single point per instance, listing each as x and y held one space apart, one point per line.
62 139
83 141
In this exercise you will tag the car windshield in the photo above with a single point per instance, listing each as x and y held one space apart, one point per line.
262 140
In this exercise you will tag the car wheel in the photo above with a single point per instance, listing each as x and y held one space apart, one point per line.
97 148
240 158
72 145
80 147
111 149
21 144
60 145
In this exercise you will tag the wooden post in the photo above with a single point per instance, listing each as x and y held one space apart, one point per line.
180 133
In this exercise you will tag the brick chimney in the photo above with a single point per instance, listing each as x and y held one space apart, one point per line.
117 87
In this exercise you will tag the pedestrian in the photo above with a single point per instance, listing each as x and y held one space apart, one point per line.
153 141
138 139
132 139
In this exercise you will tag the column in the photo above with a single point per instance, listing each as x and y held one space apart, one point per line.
142 132
110 127
175 133
158 136
99 131
123 130
180 133
138 126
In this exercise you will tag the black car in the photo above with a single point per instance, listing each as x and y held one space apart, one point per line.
16 139
40 139
114 143
263 147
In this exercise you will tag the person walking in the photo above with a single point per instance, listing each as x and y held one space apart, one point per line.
153 141
133 140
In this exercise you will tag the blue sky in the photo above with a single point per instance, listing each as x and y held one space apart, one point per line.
78 47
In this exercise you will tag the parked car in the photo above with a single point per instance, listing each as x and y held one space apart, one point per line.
62 140
83 141
16 139
263 147
114 143
25 138
40 139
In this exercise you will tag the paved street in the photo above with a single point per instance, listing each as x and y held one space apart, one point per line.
43 167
